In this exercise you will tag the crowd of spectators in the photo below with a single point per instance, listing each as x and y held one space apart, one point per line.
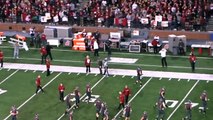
178 14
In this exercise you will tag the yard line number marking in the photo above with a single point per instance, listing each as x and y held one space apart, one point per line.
183 100
133 97
34 94
82 96
9 76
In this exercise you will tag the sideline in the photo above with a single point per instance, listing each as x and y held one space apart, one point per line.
116 53
128 64
114 118
182 100
34 94
82 96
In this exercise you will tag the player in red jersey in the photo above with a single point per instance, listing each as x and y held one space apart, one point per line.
88 92
43 53
192 60
121 100
1 58
127 93
38 84
87 63
61 90
14 112
48 66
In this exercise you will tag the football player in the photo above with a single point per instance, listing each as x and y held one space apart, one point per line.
77 97
67 100
139 76
188 107
98 105
36 117
106 114
88 92
127 111
204 99
145 116
161 109
14 112
102 110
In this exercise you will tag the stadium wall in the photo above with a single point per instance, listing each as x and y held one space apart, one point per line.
205 36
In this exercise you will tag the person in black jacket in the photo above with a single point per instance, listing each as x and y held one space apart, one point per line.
48 49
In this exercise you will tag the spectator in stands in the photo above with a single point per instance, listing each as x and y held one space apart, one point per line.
30 11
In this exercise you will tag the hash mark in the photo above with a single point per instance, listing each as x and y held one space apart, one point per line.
114 75
160 78
43 71
26 70
69 73
78 74
170 79
123 76
96 74
179 79
34 71
8 69
188 80
132 76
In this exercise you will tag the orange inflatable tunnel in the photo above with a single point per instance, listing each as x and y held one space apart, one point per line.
19 37
1 34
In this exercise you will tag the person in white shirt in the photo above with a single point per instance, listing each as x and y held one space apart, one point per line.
96 47
163 57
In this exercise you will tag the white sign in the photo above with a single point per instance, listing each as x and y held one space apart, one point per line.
144 20
158 18
47 15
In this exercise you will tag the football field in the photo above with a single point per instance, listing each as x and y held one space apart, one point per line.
17 87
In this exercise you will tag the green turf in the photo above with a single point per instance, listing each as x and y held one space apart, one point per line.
195 98
4 74
48 105
109 92
19 88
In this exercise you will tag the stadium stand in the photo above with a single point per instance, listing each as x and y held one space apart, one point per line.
154 14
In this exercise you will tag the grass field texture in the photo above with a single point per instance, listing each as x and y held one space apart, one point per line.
21 86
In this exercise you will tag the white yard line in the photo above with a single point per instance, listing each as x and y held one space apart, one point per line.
123 76
83 96
147 65
133 97
34 94
132 76
9 76
182 100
